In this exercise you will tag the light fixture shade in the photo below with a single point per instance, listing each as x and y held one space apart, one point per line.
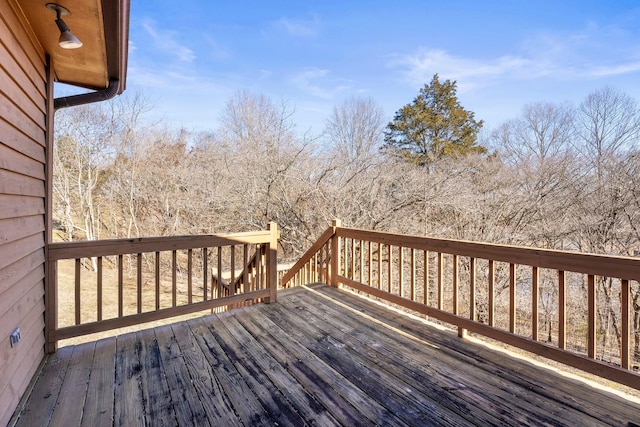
69 41
66 40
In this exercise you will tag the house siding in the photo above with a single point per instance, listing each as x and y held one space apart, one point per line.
23 138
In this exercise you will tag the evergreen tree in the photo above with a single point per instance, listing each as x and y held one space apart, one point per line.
433 126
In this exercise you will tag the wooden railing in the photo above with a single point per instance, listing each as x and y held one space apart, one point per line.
551 303
132 281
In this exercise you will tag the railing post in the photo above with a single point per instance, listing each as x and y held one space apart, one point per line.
272 262
51 307
335 255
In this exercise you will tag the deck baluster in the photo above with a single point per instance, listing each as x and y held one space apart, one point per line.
512 298
157 280
454 282
535 295
625 291
491 278
440 280
591 316
190 276
99 290
78 307
425 278
562 310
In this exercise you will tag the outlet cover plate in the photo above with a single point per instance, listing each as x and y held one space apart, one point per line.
15 337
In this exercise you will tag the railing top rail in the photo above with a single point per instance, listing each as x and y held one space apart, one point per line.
93 248
621 267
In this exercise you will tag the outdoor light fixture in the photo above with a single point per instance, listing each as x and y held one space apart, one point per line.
66 40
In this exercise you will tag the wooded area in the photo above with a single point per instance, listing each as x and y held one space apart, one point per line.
556 176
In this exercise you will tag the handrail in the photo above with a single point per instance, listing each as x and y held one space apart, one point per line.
446 279
308 255
181 252
108 247
622 267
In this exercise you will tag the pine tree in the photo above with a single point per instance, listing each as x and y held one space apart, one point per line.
433 126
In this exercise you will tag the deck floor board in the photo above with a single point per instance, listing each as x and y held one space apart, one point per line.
524 381
468 381
98 407
423 370
347 404
320 356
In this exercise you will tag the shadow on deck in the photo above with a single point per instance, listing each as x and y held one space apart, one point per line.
319 356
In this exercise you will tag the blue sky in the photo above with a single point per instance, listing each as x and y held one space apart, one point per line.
191 56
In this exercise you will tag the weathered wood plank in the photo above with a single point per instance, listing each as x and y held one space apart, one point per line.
308 407
42 400
242 397
156 392
390 389
271 398
129 407
73 392
311 381
186 402
98 406
349 404
217 406
559 391
319 356
601 369
436 371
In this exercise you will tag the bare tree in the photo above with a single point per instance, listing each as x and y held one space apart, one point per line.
543 132
355 129
608 123
538 149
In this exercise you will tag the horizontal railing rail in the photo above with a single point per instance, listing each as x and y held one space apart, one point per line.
125 282
578 309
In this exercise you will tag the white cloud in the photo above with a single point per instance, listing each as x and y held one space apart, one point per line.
167 42
265 74
215 49
615 70
591 53
298 27
469 72
310 81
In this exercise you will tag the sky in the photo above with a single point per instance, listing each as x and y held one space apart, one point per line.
190 57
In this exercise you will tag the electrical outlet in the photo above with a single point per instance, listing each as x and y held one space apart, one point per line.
15 337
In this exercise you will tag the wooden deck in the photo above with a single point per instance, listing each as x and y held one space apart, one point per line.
320 356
